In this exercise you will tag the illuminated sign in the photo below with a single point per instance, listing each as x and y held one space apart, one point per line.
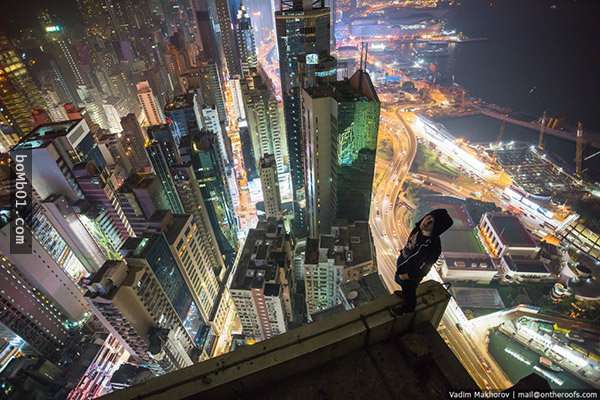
53 28
412 27
312 58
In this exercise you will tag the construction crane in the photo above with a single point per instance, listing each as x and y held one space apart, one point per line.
542 128
501 132
579 149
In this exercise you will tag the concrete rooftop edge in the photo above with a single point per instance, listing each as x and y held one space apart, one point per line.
251 367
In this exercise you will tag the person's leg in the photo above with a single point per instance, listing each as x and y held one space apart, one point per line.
409 294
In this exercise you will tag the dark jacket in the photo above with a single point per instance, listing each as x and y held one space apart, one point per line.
421 252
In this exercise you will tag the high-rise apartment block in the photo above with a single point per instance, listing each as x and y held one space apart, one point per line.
262 282
134 140
132 303
19 95
198 268
270 186
30 314
264 121
347 253
203 152
343 117
149 103
245 41
228 39
303 32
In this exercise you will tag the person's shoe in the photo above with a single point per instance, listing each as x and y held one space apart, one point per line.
401 310
398 293
406 310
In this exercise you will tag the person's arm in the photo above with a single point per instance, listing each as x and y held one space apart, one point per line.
429 258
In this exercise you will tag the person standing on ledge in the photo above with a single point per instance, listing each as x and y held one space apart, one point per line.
422 250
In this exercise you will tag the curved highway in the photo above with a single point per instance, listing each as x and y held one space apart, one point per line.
390 216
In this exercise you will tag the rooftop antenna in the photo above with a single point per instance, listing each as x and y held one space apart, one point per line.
362 49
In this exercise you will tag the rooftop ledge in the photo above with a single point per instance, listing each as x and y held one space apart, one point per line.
370 351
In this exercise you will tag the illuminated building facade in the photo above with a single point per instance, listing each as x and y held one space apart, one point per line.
345 254
198 269
31 315
131 302
163 171
149 103
246 43
203 151
228 39
270 186
263 116
260 287
190 194
343 117
19 95
134 139
303 32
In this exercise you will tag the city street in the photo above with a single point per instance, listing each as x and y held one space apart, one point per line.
390 215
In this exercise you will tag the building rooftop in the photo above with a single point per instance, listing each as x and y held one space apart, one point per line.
511 230
470 297
267 161
461 241
361 82
181 101
44 134
471 262
366 289
525 264
533 170
347 245
175 226
264 252
368 352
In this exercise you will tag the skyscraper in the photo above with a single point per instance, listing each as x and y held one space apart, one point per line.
163 171
31 315
357 110
211 123
270 186
134 139
184 112
228 38
130 300
202 150
345 254
246 42
149 103
303 34
263 113
198 269
193 203
260 287
56 148
343 117
53 281
165 136
141 196
98 189
19 95
208 77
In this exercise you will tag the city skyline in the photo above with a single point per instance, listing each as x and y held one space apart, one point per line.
193 186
